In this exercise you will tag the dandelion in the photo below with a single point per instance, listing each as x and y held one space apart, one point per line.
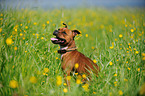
84 76
58 80
132 30
9 41
120 35
126 25
46 70
21 24
76 65
13 84
15 48
115 83
120 92
76 73
78 81
138 69
94 92
68 78
125 80
65 90
64 84
25 51
26 43
47 22
26 27
143 54
94 61
136 52
143 58
21 34
86 35
42 37
0 30
35 23
56 58
111 47
128 68
110 63
85 86
115 74
33 79
93 47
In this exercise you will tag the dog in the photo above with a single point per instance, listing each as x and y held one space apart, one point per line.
69 54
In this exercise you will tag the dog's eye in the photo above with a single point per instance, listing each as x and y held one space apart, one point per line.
64 32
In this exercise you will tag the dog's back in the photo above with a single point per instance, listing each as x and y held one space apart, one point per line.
85 64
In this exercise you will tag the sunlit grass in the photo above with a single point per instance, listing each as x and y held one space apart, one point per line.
30 64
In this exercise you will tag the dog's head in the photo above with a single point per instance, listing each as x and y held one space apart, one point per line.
64 36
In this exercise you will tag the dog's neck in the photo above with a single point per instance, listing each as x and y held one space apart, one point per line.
67 49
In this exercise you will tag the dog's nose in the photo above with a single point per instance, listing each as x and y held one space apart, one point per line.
55 32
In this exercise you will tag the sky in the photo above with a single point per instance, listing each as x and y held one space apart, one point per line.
46 4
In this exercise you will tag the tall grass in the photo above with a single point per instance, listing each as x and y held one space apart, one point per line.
113 38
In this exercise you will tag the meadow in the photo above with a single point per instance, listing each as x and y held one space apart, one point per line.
113 38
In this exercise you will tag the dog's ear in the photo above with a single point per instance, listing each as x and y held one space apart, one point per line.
75 32
65 25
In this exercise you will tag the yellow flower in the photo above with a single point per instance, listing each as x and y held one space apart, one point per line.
35 23
128 68
93 47
120 35
43 25
9 41
76 65
26 43
143 54
94 92
65 90
64 84
120 92
136 52
46 70
26 27
115 74
138 69
47 22
56 58
21 24
125 80
86 35
84 76
143 58
94 61
85 86
125 25
110 63
13 84
78 81
21 34
0 29
42 37
132 30
58 80
15 48
33 79
111 47
68 78
25 51
76 73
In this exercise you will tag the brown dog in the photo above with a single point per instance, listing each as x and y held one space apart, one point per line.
69 54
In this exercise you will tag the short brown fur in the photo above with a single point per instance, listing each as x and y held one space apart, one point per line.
70 58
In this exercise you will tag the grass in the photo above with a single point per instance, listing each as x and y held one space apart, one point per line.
113 38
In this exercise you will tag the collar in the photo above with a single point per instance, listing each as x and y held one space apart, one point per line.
62 51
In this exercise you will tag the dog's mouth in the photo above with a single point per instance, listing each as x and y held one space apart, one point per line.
58 40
